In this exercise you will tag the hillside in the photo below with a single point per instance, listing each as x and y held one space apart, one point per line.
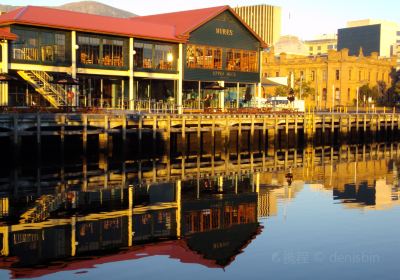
90 7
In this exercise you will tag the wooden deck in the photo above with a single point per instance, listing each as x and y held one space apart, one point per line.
16 126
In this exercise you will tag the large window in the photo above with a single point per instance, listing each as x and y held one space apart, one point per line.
203 57
94 50
113 53
39 46
211 58
89 48
241 60
155 56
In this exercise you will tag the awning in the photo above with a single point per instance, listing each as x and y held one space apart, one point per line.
275 81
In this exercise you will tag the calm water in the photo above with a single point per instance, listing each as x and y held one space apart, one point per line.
206 219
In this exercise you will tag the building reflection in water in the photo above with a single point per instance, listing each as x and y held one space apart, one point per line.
203 212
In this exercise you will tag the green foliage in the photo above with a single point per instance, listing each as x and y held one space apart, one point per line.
394 90
304 88
281 90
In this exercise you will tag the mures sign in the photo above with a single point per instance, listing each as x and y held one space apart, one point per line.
224 31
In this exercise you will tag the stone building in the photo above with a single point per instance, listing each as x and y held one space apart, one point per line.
321 44
334 77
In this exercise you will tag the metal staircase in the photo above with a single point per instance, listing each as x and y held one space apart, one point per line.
42 83
42 209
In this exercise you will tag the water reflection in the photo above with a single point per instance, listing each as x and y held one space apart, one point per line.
70 216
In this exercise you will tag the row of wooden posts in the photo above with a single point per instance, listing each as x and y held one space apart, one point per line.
162 126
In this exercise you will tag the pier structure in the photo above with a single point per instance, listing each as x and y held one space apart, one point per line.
223 129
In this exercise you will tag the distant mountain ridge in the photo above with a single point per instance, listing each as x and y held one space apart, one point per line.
89 7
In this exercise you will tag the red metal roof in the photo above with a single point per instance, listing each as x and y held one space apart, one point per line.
7 35
185 21
174 27
41 16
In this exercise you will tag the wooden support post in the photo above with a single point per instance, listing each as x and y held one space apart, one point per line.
103 138
332 123
385 120
276 129
199 144
323 124
140 133
15 131
38 129
84 175
251 142
264 134
365 122
398 121
239 140
183 134
227 144
264 141
84 133
62 132
379 122
314 124
124 124
392 122
154 130
213 137
357 122
287 125
348 124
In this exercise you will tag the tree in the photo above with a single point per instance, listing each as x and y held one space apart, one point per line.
394 91
303 88
281 91
366 91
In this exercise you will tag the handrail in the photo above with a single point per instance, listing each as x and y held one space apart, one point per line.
46 79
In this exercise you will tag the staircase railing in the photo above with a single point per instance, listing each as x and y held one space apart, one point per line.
42 82
58 90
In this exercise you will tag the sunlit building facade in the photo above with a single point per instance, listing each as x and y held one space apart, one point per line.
322 44
335 77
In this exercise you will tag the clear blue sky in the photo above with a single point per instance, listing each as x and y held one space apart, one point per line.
304 18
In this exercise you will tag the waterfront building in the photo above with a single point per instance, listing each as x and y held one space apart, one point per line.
335 78
265 20
120 62
321 44
372 35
